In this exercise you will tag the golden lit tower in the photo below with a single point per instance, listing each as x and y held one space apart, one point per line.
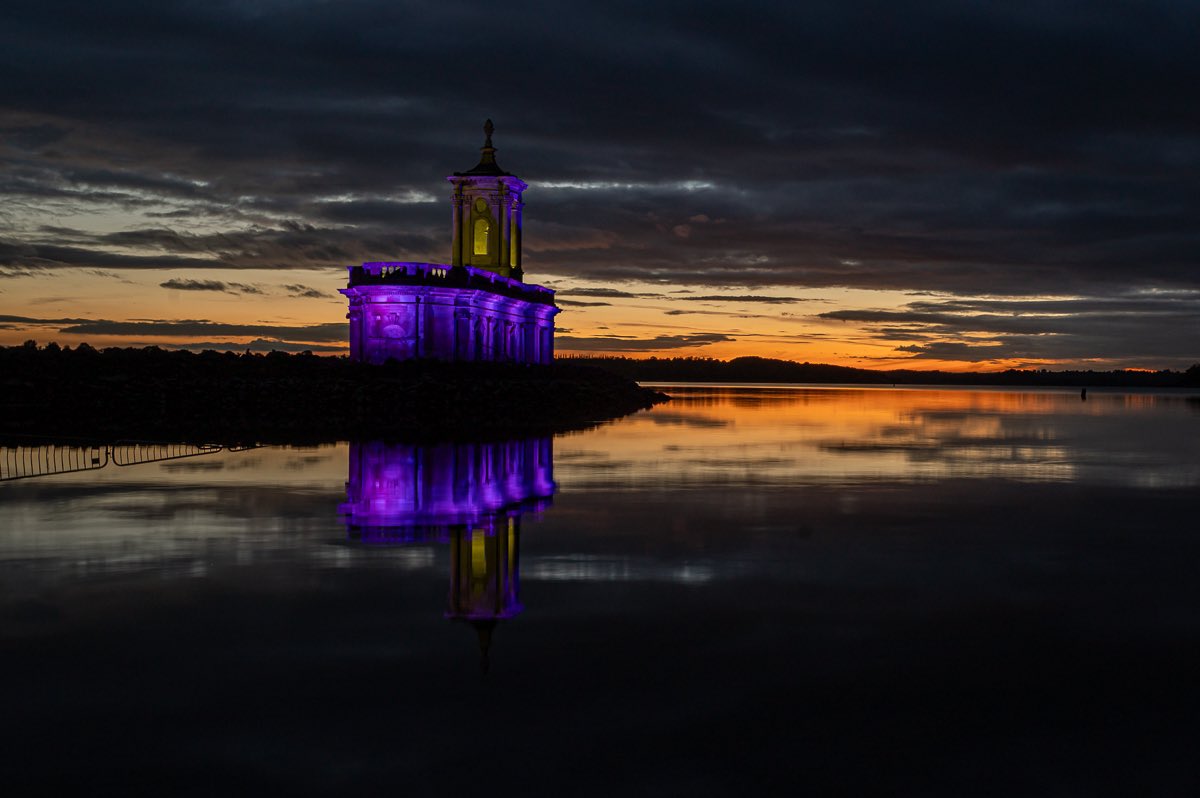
487 215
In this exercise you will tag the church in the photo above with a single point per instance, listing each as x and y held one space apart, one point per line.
477 307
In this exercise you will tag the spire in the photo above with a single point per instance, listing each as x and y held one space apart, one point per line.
484 630
488 152
487 160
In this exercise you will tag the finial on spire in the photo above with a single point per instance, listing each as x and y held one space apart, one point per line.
489 152
487 157
484 630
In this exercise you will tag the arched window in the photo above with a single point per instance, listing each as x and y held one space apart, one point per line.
482 229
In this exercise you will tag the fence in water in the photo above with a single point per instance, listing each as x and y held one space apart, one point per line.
24 462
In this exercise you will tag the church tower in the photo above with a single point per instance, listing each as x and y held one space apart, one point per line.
487 215
476 308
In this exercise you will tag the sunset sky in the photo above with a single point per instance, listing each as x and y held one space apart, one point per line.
964 185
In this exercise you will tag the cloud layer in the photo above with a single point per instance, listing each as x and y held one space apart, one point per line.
1134 328
334 333
989 149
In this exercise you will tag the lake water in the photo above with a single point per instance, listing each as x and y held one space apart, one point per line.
746 591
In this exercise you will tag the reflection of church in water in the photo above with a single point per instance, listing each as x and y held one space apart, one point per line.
469 495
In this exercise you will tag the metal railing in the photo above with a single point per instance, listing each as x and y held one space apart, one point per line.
22 462
127 453
25 462
411 272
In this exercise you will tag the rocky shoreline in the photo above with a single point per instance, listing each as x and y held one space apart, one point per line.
54 394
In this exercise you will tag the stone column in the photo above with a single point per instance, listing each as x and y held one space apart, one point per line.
502 245
418 312
456 249
355 316
463 347
464 230
516 234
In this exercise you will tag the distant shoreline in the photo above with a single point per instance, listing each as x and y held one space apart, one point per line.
50 394
1099 390
765 370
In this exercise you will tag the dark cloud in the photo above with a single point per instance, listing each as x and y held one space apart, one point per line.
945 350
582 304
52 300
726 313
186 328
106 273
36 321
21 271
291 289
29 257
624 344
184 284
307 292
607 293
334 331
1149 327
292 246
614 293
260 345
770 300
1008 149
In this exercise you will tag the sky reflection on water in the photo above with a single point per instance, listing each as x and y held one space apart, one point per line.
971 591
772 436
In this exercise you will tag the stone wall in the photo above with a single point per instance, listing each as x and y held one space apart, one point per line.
405 311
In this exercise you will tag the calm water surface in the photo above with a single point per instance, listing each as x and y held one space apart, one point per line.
754 590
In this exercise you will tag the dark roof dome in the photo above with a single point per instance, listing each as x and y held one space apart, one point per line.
487 166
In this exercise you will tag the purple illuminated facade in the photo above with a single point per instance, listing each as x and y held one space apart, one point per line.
471 496
411 310
477 308
404 493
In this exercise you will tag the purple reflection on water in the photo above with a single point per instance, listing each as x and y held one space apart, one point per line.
469 495
402 493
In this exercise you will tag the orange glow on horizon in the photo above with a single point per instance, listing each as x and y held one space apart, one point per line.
789 324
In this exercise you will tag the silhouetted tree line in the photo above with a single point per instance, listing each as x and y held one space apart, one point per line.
158 394
759 369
